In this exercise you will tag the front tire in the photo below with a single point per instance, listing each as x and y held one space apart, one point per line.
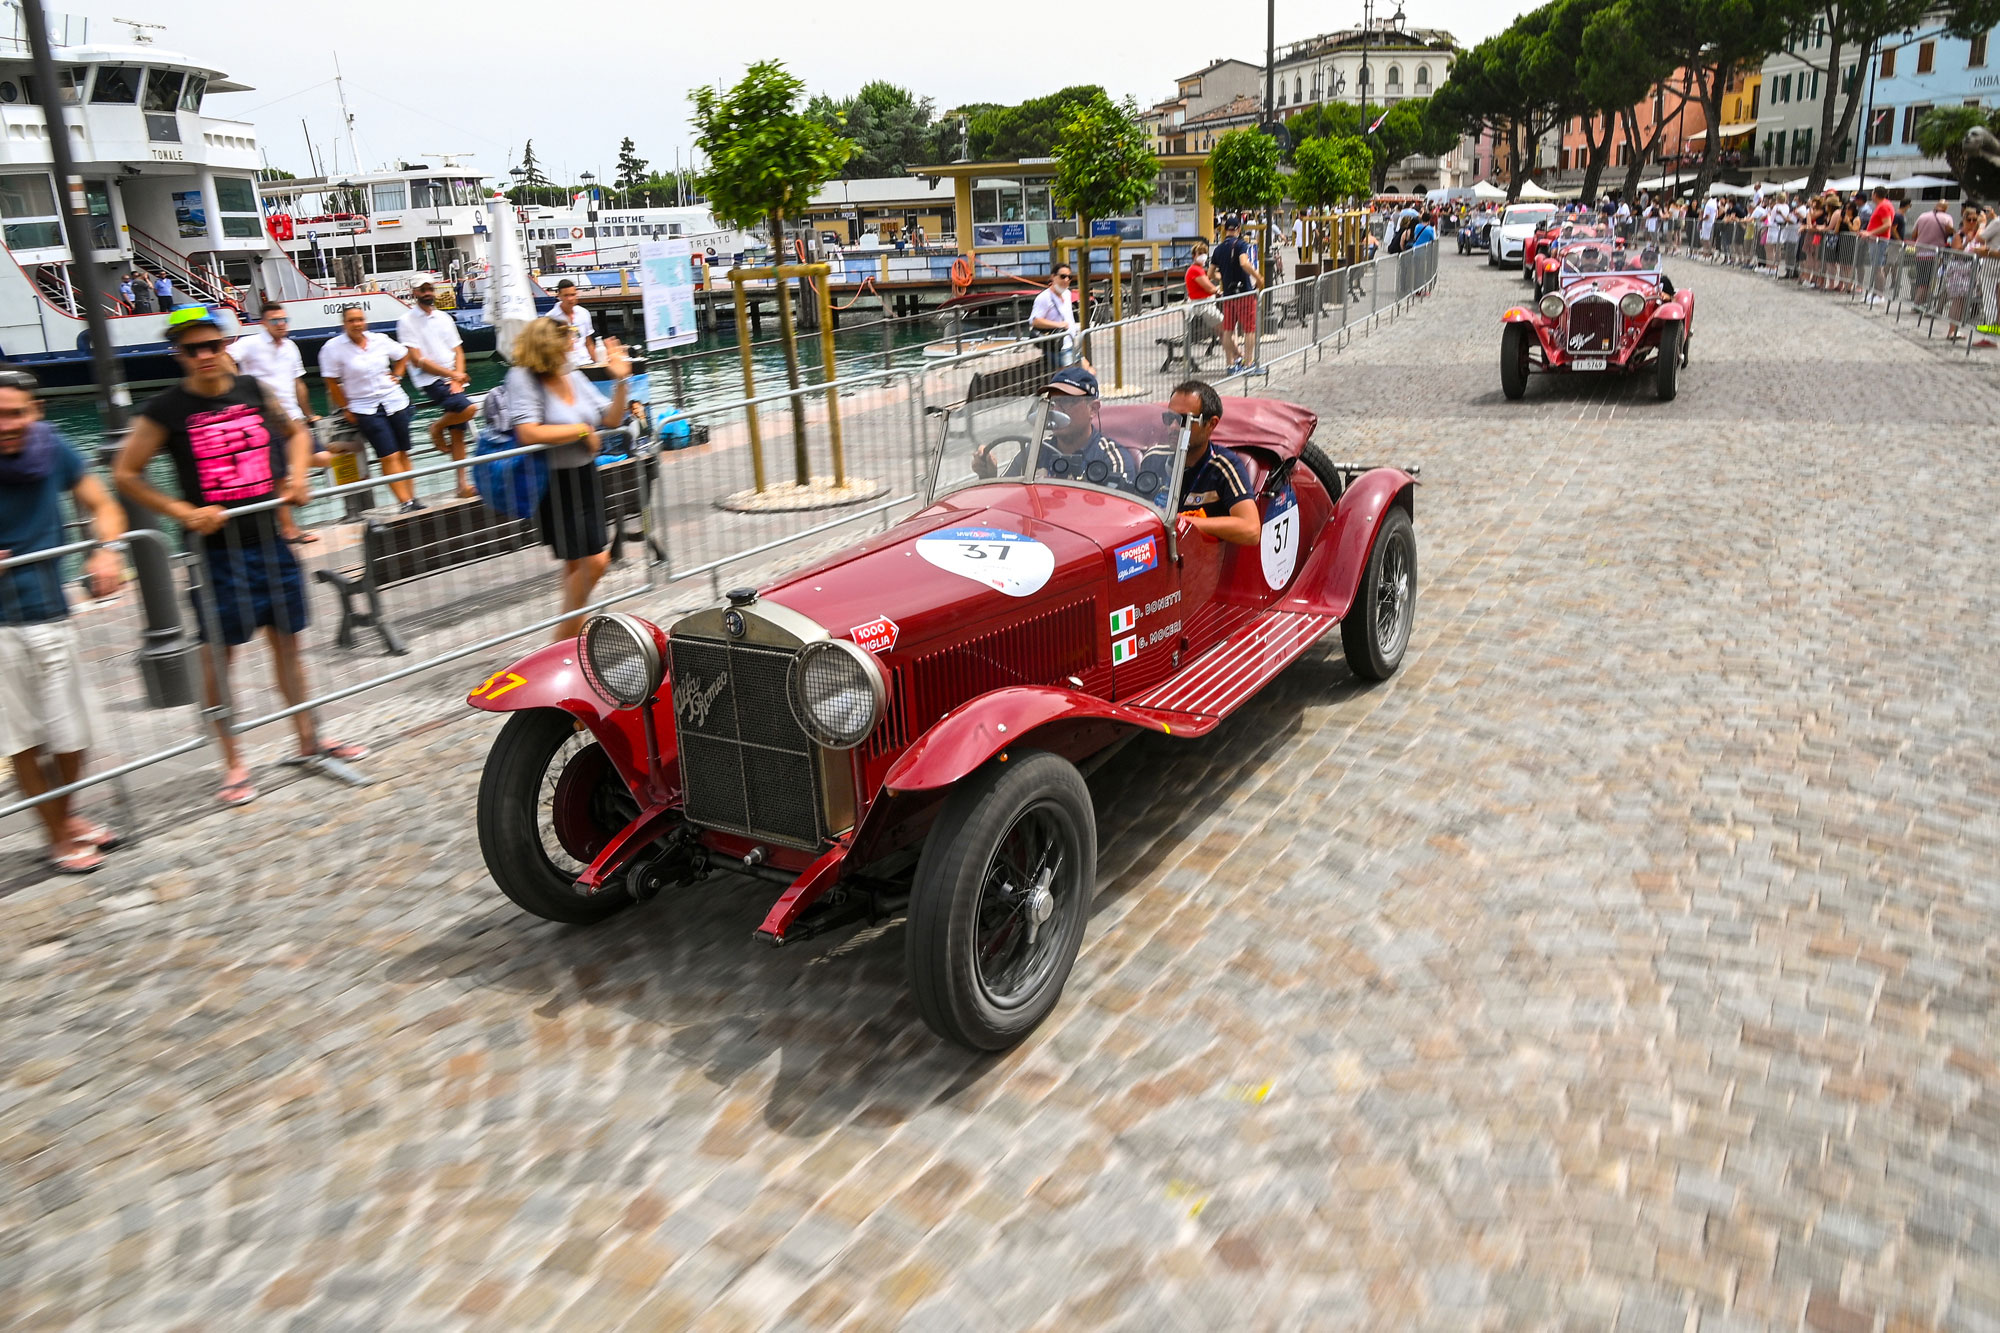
549 799
1668 370
1002 892
1514 340
1376 630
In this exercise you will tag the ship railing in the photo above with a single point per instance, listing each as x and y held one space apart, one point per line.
683 523
200 281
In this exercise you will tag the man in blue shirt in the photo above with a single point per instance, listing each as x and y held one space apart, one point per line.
45 707
1216 497
1075 449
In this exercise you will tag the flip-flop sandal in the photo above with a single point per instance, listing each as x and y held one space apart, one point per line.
236 793
82 861
344 750
98 836
303 538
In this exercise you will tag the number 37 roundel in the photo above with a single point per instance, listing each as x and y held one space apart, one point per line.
1280 545
1004 561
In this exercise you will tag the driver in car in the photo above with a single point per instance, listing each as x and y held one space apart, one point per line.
1216 497
1075 448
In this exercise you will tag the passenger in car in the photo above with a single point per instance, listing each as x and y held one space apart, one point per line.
1216 496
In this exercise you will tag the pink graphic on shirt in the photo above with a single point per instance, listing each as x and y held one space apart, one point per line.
232 453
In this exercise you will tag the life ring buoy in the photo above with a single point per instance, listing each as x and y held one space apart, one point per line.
280 225
576 233
961 273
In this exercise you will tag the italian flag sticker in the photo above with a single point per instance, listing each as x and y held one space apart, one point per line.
1125 649
1123 620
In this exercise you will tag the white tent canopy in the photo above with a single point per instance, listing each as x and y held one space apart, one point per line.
1534 191
1733 191
1488 191
1921 183
1852 183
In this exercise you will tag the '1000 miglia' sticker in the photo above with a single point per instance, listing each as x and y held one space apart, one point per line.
1004 561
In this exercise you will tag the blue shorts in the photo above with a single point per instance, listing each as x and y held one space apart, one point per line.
445 399
255 584
388 432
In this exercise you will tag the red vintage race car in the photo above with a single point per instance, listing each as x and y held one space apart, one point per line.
1627 320
1536 250
904 728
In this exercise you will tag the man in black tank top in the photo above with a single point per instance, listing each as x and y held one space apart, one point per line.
232 447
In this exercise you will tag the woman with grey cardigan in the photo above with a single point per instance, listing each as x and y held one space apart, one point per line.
548 403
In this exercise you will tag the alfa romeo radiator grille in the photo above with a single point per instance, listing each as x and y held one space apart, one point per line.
746 764
1593 326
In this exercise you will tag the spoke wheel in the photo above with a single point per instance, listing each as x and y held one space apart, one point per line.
549 801
1001 895
1376 632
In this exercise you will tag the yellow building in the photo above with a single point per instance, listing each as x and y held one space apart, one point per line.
1004 209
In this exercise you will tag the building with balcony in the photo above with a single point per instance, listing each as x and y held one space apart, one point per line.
1382 64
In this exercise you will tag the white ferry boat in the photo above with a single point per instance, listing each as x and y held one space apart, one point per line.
585 235
170 191
385 229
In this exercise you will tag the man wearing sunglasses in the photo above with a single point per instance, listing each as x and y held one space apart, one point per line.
232 445
1216 496
1055 312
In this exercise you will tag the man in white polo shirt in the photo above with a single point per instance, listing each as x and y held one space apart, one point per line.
431 331
583 343
270 356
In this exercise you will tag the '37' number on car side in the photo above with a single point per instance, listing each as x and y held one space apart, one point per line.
1279 549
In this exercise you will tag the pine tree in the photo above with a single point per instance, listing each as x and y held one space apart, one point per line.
631 168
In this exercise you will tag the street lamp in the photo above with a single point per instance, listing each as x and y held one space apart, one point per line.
1868 118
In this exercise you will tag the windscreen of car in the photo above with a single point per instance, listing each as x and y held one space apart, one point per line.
1523 215
1059 441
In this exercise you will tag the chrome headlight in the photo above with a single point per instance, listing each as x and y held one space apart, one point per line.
837 693
1631 305
1552 305
621 659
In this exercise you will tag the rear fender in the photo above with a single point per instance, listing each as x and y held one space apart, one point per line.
963 740
1333 572
550 678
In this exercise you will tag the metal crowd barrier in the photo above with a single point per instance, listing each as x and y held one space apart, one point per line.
1892 277
382 598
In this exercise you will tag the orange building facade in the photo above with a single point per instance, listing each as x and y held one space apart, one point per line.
1685 125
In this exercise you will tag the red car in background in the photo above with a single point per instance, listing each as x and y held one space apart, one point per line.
905 727
1600 320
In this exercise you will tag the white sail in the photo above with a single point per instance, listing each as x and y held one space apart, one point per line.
510 302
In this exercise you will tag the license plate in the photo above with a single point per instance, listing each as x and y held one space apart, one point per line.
1587 363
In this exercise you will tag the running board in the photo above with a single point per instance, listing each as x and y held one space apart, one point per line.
1217 683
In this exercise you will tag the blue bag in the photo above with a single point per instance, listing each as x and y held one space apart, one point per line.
511 487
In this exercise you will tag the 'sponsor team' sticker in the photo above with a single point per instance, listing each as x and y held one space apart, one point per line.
1279 548
1004 561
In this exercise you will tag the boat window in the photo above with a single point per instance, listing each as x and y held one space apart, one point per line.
97 202
191 94
8 92
237 195
116 85
389 196
28 207
163 90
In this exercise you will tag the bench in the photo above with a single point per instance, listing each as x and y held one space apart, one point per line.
450 534
1203 326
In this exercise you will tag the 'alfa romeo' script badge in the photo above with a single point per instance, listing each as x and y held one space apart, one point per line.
694 702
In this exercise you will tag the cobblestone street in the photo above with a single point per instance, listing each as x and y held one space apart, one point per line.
1629 960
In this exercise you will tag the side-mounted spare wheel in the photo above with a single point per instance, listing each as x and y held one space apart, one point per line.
1002 891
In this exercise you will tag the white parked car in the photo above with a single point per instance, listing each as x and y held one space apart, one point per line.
1516 224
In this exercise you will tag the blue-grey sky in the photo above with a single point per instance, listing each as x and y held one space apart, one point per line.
428 78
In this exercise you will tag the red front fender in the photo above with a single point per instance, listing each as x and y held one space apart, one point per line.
967 738
1333 572
550 678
